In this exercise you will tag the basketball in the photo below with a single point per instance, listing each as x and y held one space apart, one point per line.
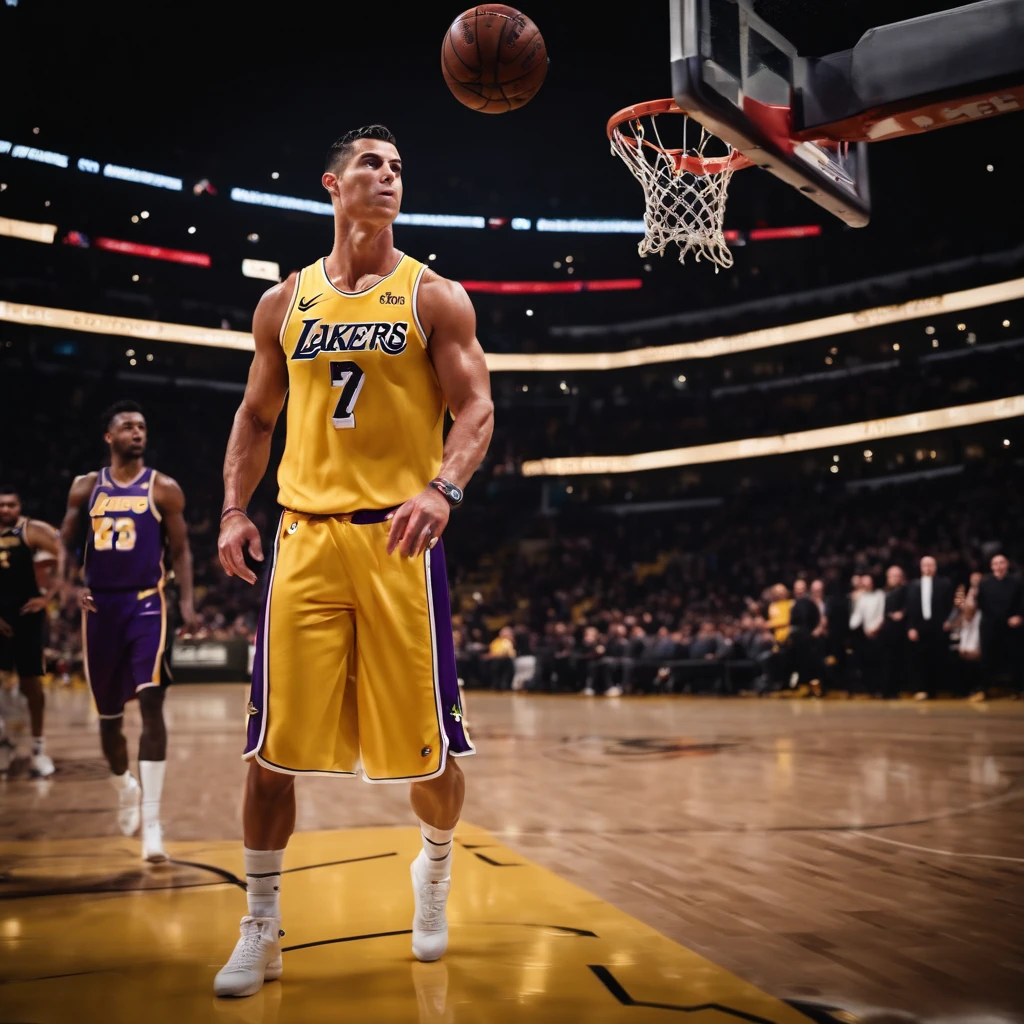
493 59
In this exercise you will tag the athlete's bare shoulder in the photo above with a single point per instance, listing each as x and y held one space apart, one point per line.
272 309
167 492
81 487
443 302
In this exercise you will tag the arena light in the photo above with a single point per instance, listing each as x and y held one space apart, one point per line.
553 362
429 220
440 220
29 230
123 326
797 231
154 252
141 177
769 337
39 156
264 270
591 227
245 195
552 287
782 444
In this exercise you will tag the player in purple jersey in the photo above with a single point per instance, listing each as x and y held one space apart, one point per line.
133 511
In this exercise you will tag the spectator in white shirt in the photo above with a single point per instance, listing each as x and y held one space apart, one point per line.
929 602
868 615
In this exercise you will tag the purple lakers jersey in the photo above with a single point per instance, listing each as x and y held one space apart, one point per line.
125 545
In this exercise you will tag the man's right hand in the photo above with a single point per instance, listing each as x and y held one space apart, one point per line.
6 629
913 635
85 601
238 532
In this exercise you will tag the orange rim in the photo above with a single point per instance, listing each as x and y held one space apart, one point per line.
735 161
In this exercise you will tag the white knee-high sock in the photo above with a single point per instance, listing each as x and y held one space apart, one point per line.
263 882
151 775
437 846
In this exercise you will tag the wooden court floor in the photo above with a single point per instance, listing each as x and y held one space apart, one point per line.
634 859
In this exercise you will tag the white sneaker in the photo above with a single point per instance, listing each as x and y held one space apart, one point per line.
429 923
921 695
587 691
129 804
256 958
153 843
42 766
613 691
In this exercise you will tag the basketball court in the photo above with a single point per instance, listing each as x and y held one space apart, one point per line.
618 860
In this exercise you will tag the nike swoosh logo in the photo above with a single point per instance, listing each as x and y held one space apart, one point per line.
305 305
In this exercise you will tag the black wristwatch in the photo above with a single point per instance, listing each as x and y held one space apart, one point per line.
452 494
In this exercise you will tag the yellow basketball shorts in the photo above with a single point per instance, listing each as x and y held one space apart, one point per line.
354 667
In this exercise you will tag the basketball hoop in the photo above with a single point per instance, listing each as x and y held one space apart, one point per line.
685 188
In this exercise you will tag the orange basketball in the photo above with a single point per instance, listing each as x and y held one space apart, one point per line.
493 58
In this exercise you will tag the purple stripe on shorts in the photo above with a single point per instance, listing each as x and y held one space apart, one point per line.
447 675
255 723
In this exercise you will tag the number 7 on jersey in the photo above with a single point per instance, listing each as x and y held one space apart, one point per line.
349 377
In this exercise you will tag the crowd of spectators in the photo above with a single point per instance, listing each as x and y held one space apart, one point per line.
586 600
691 601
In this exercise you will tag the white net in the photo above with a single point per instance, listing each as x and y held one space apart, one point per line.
682 206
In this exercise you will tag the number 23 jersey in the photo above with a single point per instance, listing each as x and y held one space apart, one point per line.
124 546
365 410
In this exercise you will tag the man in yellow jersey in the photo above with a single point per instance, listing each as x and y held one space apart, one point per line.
355 668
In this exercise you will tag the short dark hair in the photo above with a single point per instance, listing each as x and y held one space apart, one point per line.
4 489
125 405
341 149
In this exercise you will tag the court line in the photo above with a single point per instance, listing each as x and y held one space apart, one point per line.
953 812
616 988
333 863
226 878
932 849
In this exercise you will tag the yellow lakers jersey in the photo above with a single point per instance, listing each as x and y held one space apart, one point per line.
365 411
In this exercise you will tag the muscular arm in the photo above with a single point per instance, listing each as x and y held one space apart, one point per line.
450 321
462 373
170 500
81 488
248 451
43 537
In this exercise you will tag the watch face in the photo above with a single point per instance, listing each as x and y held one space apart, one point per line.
456 494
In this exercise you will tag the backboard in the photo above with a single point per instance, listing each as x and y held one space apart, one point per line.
742 80
807 120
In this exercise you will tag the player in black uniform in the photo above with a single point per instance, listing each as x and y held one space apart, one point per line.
22 608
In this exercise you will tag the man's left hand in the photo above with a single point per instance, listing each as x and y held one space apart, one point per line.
419 523
1014 621
33 604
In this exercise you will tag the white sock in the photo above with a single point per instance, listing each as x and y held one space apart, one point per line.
263 882
151 775
437 847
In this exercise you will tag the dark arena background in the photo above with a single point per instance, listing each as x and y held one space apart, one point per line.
735 592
